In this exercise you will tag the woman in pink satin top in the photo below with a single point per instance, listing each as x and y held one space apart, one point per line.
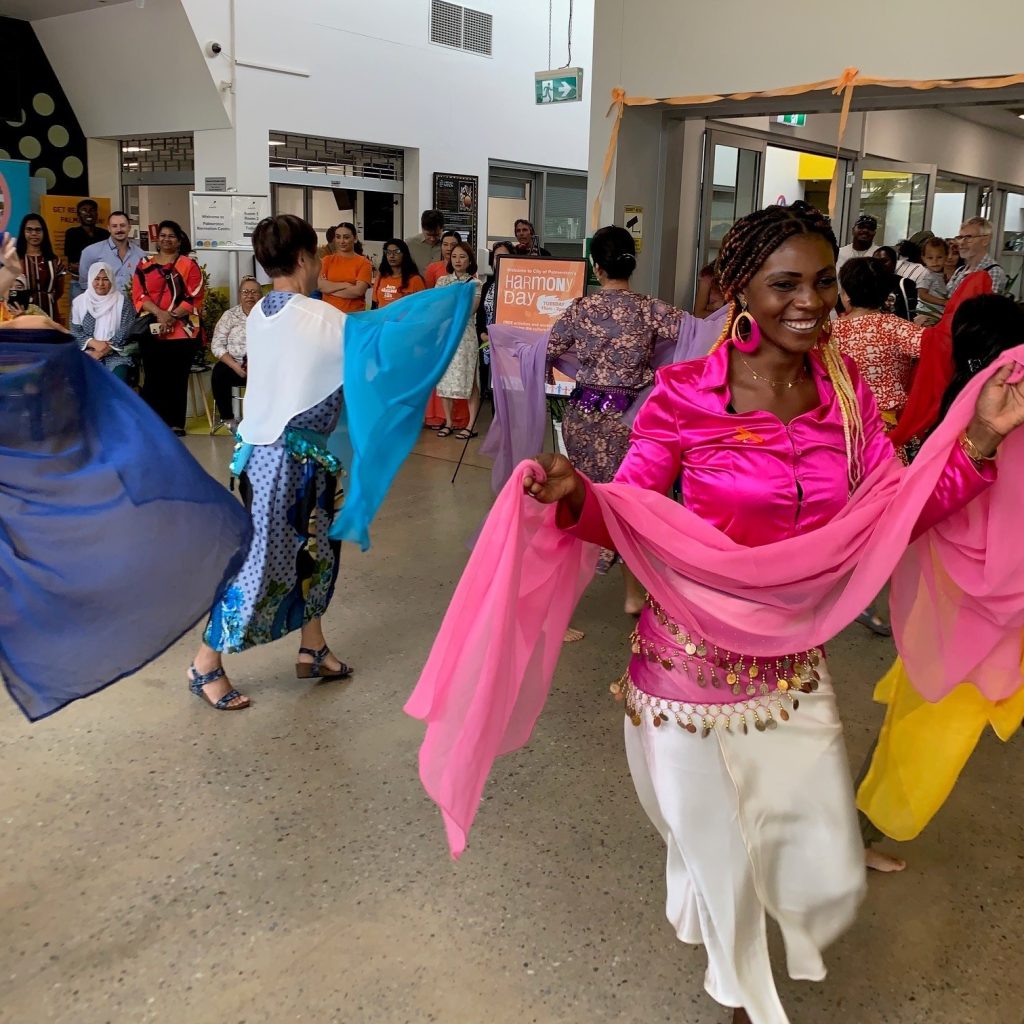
769 435
751 476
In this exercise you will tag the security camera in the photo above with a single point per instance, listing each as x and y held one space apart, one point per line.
213 49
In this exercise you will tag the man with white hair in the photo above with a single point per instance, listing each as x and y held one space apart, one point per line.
973 242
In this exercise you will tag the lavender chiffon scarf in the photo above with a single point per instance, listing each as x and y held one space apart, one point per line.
518 363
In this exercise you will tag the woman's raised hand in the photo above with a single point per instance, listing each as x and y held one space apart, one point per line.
562 480
999 410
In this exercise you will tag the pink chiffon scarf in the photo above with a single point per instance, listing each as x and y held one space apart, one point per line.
957 597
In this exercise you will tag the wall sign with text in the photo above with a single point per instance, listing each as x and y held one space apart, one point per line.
226 220
457 197
533 292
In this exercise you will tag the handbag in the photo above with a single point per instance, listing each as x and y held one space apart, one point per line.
140 327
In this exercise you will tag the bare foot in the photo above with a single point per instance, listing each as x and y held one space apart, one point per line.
740 1016
878 861
572 635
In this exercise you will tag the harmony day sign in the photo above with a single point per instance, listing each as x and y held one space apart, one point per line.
532 292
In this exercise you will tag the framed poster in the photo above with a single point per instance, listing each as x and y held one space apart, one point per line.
533 292
457 196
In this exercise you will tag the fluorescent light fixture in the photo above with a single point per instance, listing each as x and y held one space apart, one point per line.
276 142
135 149
1021 116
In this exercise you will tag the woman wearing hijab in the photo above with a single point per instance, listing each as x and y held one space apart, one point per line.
101 320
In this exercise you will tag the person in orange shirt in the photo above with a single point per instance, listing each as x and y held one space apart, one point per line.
398 275
439 268
345 276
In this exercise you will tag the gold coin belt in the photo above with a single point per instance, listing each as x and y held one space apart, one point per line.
712 666
764 711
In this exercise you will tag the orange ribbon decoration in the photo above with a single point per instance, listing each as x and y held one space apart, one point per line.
619 106
841 86
845 88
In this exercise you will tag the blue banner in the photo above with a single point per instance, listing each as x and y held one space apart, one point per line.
14 194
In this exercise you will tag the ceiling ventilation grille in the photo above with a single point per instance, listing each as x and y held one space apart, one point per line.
461 27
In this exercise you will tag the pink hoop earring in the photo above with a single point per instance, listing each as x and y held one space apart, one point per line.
751 343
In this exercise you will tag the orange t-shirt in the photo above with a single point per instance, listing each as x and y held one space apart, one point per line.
389 289
434 273
341 269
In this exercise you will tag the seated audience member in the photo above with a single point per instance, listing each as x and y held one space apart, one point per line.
228 347
101 318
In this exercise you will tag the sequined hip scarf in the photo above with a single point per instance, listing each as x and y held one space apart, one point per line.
712 666
761 712
596 398
302 445
767 688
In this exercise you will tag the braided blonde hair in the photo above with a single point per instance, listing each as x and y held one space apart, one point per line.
750 241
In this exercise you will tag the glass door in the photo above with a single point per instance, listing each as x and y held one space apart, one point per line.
898 196
732 184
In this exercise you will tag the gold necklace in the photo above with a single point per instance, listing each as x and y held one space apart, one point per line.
768 380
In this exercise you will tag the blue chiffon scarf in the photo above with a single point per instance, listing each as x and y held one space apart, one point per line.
113 539
394 357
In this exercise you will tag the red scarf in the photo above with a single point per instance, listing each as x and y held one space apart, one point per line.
935 368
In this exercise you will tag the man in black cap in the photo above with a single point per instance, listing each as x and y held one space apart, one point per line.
863 243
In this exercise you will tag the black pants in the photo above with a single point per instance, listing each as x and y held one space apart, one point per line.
221 382
166 364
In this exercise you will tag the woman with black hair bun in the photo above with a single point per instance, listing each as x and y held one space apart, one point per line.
614 333
884 346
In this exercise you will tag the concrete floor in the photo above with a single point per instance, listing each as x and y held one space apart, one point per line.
161 862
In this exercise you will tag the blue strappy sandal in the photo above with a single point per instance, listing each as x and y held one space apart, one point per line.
196 682
303 670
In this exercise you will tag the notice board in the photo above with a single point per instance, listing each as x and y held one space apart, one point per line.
457 196
533 291
226 220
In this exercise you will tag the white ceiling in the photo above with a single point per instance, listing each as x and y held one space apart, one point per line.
992 116
36 10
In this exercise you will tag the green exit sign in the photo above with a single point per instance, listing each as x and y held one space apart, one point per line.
793 120
562 86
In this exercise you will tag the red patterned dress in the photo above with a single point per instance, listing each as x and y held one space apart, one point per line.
884 347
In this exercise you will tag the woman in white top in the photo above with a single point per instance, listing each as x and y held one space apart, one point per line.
288 479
